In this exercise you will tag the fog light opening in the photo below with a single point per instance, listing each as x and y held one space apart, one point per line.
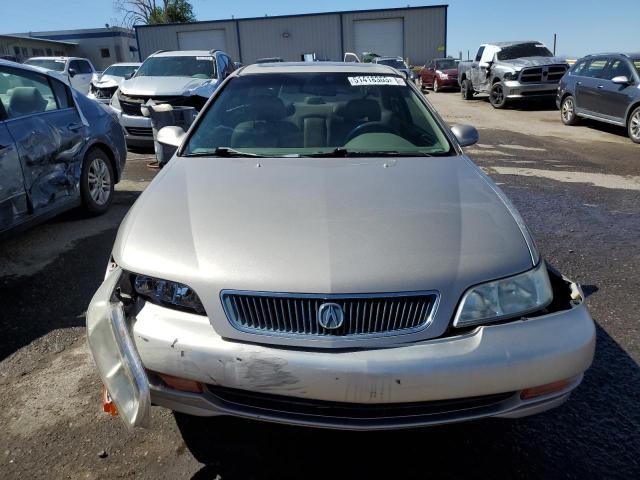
549 388
182 384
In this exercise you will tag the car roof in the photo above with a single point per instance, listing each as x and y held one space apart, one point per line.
631 56
57 58
512 43
377 59
125 64
184 53
316 67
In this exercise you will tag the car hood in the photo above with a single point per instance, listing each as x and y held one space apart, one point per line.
533 62
107 81
170 86
322 226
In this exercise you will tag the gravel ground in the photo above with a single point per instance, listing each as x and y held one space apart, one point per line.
578 189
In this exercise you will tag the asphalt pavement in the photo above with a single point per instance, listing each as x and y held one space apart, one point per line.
578 189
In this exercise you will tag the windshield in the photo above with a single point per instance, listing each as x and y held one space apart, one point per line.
446 64
196 67
306 114
392 62
524 50
120 70
48 63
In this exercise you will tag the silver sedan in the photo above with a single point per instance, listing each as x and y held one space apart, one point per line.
321 252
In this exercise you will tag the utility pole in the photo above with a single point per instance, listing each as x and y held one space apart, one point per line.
555 39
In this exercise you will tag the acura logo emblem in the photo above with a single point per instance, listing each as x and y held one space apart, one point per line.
330 316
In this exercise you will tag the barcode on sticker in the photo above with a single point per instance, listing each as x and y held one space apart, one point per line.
376 80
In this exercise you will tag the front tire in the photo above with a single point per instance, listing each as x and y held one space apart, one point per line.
497 97
633 127
568 111
466 89
436 86
96 182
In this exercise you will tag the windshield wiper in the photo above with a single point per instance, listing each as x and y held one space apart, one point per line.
223 152
343 152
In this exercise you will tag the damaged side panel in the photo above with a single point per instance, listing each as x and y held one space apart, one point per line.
49 146
13 198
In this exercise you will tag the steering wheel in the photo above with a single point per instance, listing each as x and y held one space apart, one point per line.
369 127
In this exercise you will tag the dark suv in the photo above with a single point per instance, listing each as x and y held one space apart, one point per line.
603 87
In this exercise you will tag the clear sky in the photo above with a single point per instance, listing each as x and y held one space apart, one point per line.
583 26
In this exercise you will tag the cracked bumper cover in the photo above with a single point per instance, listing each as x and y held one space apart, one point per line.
488 360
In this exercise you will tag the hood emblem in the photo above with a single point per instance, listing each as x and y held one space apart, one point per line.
330 316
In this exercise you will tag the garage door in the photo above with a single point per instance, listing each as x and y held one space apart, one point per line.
202 40
384 37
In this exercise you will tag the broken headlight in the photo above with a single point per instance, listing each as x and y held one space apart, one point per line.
506 298
115 101
167 293
511 75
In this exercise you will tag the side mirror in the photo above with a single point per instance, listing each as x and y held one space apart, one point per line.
465 134
72 72
171 136
621 80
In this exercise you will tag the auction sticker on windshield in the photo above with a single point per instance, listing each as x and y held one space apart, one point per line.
376 80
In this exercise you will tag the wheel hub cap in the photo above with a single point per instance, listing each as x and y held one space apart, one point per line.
99 181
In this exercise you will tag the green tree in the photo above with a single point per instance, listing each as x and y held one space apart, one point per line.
149 12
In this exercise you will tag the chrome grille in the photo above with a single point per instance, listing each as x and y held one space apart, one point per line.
297 314
551 73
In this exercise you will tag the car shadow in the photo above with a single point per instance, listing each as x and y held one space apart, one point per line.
595 429
57 295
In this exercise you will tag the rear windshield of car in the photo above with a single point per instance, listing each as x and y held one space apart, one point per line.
393 63
446 64
180 66
49 64
120 70
315 113
524 50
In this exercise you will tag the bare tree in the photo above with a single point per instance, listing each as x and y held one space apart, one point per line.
148 12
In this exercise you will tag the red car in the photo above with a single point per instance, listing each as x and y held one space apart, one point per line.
440 73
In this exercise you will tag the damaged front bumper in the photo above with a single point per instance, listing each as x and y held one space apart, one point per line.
480 373
514 89
115 355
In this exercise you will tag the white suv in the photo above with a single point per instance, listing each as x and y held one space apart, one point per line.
179 78
78 71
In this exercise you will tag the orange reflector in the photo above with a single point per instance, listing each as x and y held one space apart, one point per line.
107 404
181 383
529 393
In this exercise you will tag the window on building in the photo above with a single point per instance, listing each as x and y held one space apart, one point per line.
38 52
58 53
105 53
16 51
25 51
49 52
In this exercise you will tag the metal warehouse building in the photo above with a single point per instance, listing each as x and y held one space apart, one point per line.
414 33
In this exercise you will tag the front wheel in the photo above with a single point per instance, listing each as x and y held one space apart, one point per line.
568 111
634 125
466 89
436 85
497 96
96 182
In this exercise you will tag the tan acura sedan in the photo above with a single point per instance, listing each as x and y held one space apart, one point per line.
320 252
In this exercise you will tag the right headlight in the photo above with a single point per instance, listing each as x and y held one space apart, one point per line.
115 101
505 298
511 75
